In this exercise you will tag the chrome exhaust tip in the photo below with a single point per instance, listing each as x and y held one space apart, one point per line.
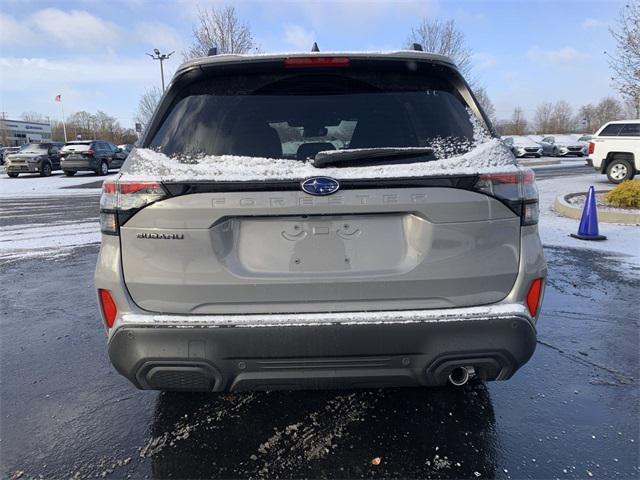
461 375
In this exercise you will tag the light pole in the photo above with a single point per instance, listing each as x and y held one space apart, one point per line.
162 57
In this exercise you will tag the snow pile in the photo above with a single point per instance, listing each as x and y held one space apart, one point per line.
53 239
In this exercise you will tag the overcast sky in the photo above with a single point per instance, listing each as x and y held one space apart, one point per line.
92 52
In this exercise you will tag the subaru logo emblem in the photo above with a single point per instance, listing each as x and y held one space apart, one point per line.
320 186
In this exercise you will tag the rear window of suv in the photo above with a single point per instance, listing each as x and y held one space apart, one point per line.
77 147
295 116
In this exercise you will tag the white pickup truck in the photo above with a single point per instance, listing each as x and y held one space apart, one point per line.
615 150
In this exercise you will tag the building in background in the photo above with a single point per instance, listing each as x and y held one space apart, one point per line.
16 132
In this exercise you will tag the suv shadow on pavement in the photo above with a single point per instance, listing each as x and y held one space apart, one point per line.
415 433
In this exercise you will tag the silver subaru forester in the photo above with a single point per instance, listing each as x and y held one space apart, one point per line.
319 221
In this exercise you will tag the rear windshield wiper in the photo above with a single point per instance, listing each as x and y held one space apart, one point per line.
371 156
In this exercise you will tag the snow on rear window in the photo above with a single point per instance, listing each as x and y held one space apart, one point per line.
484 154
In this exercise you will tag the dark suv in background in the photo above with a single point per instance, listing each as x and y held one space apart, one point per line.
39 157
98 156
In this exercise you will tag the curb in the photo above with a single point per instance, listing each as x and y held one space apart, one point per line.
537 163
564 208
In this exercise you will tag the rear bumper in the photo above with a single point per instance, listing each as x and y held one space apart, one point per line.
23 168
376 349
79 165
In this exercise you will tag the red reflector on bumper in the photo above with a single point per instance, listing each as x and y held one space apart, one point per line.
108 306
533 296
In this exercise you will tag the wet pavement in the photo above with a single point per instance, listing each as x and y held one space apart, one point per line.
571 412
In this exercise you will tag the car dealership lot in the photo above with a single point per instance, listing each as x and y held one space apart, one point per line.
571 412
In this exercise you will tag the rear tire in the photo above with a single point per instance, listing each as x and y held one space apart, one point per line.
103 169
620 170
45 170
69 173
13 174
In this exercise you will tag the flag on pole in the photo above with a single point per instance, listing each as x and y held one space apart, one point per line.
58 98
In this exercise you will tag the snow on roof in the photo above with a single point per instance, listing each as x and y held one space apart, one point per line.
225 59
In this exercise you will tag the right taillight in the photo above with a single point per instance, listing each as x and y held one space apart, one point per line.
121 200
592 148
517 189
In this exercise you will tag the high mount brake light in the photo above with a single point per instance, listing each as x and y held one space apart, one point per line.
121 200
516 189
311 62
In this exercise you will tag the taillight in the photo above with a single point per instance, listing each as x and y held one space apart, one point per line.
517 189
310 62
592 148
89 153
121 200
534 296
108 307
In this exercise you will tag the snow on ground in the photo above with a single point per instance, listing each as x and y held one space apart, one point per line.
50 239
554 229
33 185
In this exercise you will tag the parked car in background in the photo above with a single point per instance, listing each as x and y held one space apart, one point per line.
41 157
523 146
98 156
562 146
615 150
354 274
126 147
6 151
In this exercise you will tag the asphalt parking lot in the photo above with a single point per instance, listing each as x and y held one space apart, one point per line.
571 412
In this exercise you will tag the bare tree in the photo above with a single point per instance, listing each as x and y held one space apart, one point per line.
587 118
219 27
518 121
517 125
444 38
591 117
33 117
562 118
629 109
625 62
608 109
486 103
543 118
147 105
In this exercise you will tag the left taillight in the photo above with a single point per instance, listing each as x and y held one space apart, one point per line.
108 307
516 189
120 200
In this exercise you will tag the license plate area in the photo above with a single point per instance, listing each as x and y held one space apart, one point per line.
317 245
